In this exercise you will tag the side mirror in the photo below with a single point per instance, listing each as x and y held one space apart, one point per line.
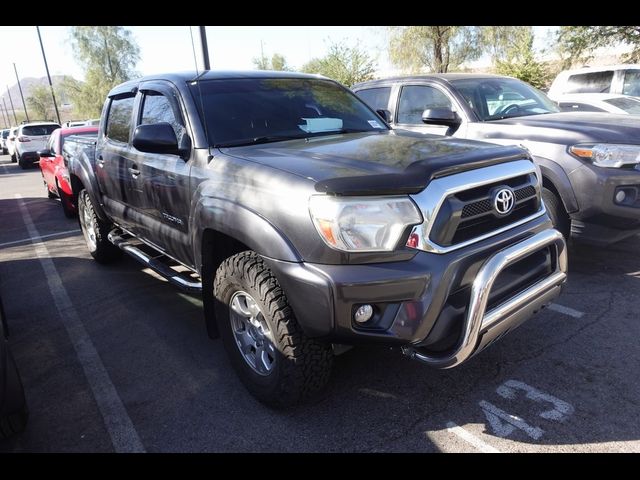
441 116
156 138
45 153
385 114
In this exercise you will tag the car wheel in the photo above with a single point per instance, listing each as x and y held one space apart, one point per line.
14 421
95 231
557 213
21 162
276 362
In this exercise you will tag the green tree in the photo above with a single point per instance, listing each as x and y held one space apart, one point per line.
109 55
276 62
520 61
438 48
578 43
500 40
40 103
347 65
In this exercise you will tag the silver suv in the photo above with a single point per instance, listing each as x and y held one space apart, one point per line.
30 138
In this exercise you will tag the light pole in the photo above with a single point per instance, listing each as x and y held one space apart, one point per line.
53 95
6 110
5 119
13 109
24 105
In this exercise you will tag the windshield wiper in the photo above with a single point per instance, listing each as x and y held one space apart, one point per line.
259 140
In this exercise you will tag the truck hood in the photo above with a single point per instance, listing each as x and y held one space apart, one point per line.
583 126
376 163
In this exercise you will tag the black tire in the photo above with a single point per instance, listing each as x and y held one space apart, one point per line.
50 194
21 162
557 213
13 158
14 421
102 250
302 365
66 201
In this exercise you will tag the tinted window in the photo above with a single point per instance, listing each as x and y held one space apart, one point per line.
631 83
497 98
119 119
260 110
595 82
579 107
156 109
629 105
415 99
376 98
32 130
5 133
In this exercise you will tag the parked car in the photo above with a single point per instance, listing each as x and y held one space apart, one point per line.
305 221
13 406
54 169
599 102
4 134
30 138
619 79
11 144
589 161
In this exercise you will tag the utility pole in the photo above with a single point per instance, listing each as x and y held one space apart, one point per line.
24 105
6 112
5 119
12 107
53 95
205 48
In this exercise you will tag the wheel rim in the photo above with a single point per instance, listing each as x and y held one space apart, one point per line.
88 229
252 334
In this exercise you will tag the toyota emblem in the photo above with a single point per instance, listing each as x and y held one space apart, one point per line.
503 201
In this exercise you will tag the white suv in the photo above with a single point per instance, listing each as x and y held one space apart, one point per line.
30 138
621 79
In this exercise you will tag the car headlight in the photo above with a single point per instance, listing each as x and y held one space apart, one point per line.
608 154
362 224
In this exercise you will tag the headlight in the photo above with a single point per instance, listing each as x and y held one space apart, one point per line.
608 154
362 224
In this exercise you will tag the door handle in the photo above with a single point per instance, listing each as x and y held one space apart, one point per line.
100 162
134 172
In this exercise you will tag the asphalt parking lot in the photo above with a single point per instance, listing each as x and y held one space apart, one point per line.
115 359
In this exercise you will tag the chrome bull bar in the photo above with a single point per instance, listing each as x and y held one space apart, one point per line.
482 327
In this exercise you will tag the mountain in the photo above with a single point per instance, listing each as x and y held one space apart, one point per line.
27 84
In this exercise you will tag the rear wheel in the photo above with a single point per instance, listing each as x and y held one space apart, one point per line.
13 158
557 213
21 162
277 363
95 231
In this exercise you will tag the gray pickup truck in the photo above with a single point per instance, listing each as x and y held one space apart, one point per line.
306 223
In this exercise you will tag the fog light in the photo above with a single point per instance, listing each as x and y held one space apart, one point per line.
363 314
620 196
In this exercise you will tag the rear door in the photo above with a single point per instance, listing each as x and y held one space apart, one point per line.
164 178
47 163
115 172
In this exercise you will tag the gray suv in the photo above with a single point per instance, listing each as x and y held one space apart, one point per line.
590 162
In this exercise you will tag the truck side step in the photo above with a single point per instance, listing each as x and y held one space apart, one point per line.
155 260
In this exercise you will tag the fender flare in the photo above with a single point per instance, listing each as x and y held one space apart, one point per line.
242 224
554 173
87 178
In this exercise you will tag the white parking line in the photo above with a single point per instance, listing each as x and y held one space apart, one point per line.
124 436
566 310
469 437
32 239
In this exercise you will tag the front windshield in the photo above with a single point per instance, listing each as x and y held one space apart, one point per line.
498 98
260 110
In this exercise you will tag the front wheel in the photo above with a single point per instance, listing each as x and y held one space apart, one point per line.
557 213
277 363
95 231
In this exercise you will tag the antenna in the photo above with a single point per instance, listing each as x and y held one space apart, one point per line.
197 80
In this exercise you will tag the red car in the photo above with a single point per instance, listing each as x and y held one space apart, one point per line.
54 170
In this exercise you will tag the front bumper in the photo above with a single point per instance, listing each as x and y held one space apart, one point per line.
441 308
600 219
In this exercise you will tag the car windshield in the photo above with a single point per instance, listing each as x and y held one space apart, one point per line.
628 104
498 98
261 110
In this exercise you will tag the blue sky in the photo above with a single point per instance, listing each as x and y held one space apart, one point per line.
169 48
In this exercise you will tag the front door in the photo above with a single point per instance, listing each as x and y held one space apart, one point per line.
164 178
413 101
